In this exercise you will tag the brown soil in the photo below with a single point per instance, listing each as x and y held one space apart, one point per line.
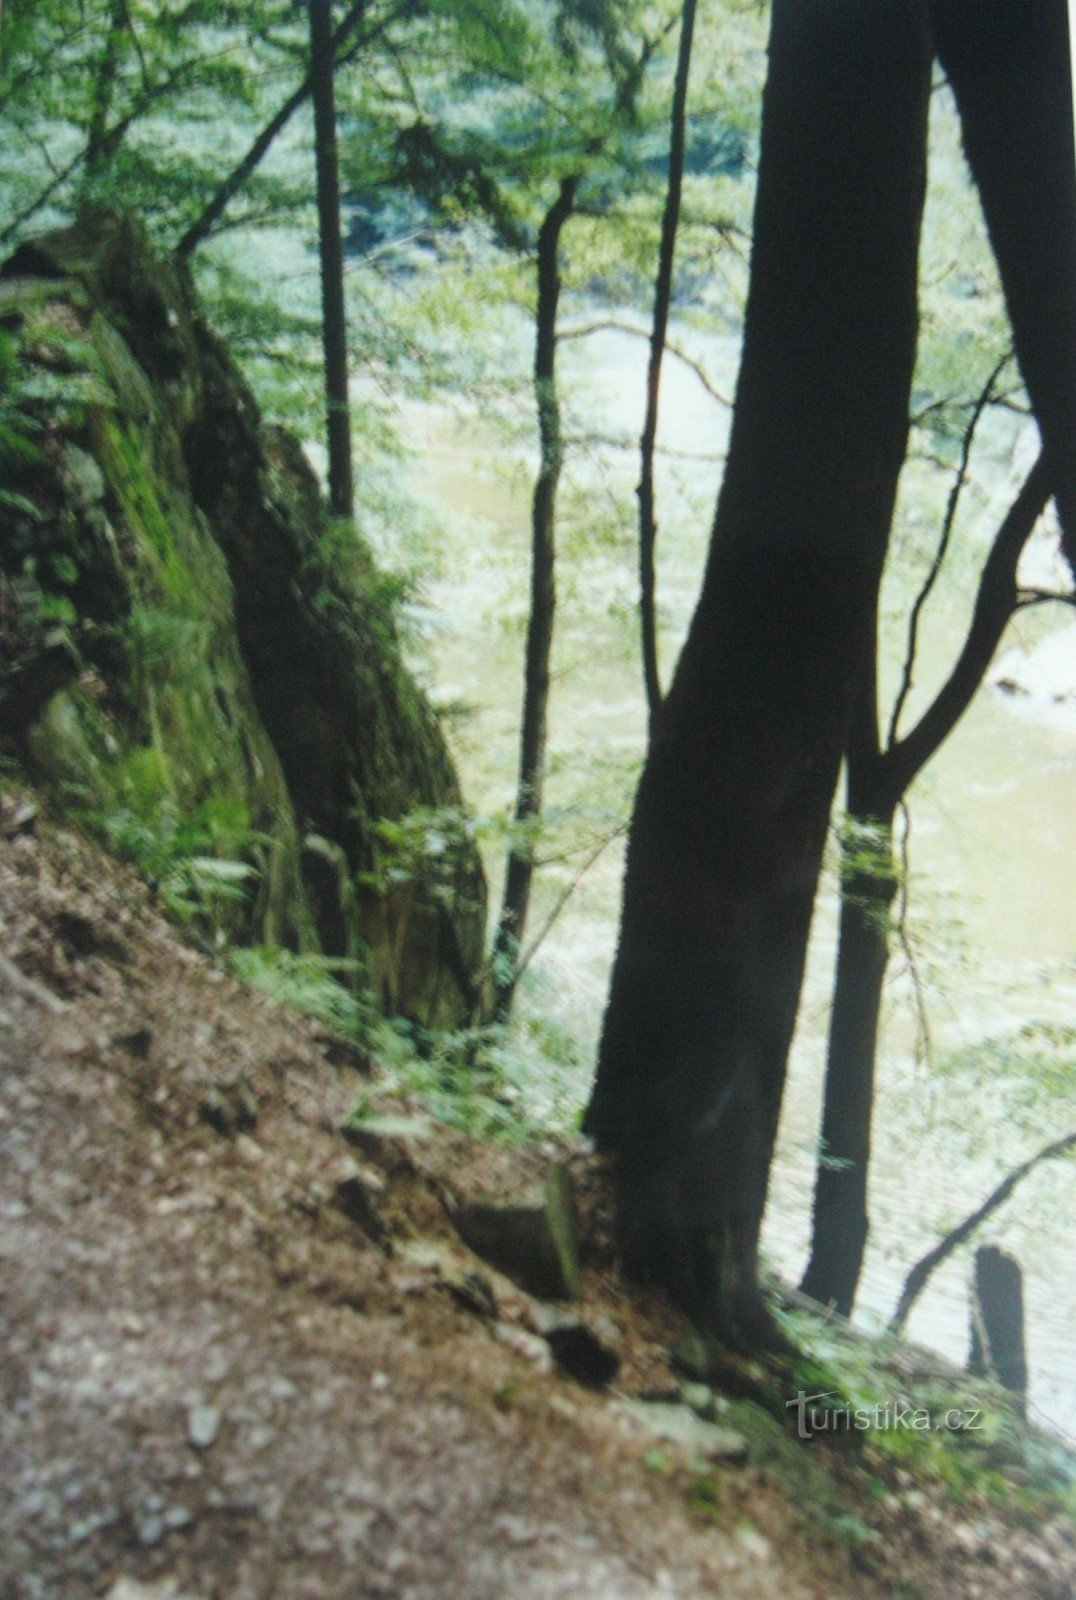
216 1384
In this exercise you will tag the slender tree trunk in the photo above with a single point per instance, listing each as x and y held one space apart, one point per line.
532 744
648 528
331 250
732 810
245 168
1009 65
868 885
877 782
103 89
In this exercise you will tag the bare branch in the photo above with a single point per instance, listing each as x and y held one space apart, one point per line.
994 605
110 141
943 544
610 441
613 325
1044 597
17 982
565 895
916 1280
203 226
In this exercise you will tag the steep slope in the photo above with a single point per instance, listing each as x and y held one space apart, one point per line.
215 1381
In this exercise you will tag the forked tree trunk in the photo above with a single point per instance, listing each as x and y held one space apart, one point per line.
732 810
877 781
504 960
331 252
1009 64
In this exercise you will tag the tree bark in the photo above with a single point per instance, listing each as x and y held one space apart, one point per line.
670 221
868 885
244 169
1009 65
877 782
331 252
532 743
732 810
104 84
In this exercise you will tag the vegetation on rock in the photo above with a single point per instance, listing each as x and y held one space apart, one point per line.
241 721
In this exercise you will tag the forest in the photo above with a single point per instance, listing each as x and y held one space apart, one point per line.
537 712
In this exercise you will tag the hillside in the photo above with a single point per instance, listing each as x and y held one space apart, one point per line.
218 1382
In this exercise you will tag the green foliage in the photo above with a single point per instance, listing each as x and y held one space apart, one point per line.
330 990
193 858
18 447
1023 1079
47 375
1031 1474
473 1079
423 847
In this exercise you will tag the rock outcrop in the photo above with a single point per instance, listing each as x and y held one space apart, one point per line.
192 657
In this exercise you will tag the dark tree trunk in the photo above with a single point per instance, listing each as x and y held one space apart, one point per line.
877 782
1009 65
868 884
998 1349
532 742
103 89
244 169
331 251
731 814
648 528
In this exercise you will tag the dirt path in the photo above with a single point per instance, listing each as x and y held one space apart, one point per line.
214 1384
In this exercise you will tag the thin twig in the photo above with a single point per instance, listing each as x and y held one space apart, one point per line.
659 335
940 553
612 325
1044 597
565 895
994 605
610 441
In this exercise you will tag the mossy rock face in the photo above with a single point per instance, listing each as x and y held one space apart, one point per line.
242 685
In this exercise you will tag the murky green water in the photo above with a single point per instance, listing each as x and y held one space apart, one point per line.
992 918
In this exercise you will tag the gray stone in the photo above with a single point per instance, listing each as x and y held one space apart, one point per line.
680 1425
699 1398
531 1240
83 478
203 1425
471 1290
527 1345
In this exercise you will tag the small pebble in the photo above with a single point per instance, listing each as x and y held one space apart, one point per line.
203 1424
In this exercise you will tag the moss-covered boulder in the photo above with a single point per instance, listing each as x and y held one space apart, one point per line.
191 656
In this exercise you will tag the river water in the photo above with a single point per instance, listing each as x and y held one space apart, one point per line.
991 915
